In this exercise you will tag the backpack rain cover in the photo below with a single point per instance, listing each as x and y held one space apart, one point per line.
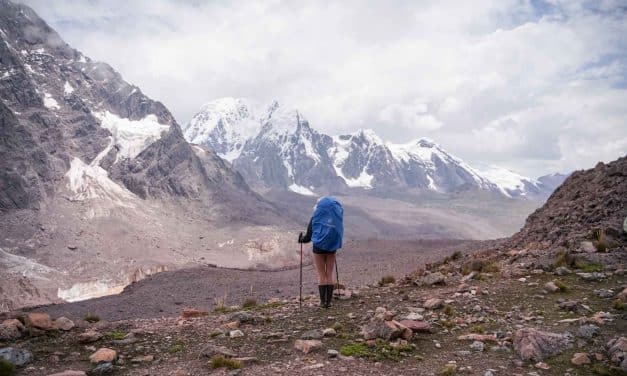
327 224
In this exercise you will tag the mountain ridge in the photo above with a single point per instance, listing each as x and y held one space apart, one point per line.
301 159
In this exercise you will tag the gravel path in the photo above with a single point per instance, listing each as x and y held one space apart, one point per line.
165 294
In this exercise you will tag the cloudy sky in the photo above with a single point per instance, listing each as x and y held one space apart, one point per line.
536 86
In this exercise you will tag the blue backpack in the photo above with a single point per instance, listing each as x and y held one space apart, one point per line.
327 224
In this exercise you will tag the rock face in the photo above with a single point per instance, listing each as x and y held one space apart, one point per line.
587 200
77 143
532 344
276 147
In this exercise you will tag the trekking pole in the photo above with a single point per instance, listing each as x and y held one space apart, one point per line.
300 300
337 276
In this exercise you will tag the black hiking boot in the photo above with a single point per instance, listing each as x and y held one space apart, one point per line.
322 289
329 296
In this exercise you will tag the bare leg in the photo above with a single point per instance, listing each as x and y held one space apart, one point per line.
319 261
329 266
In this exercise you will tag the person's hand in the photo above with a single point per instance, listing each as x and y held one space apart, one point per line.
300 237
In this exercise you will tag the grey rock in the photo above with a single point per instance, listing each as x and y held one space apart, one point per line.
562 271
16 356
477 346
211 350
332 353
533 344
313 334
604 293
588 331
101 369
430 279
244 318
592 277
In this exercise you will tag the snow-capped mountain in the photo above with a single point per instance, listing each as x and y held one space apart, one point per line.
287 153
224 125
512 184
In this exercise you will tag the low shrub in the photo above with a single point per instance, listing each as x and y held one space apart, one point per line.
90 317
387 279
220 361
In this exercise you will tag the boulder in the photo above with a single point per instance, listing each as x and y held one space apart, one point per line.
236 333
617 349
244 318
105 368
39 320
103 355
89 336
533 344
11 329
592 277
63 323
562 271
69 373
588 246
588 331
418 326
386 330
212 350
477 346
329 332
433 303
313 334
622 295
551 286
307 345
571 305
580 359
16 356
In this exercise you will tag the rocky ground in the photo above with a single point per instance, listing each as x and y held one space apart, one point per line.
472 315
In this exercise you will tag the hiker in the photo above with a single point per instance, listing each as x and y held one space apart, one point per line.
325 229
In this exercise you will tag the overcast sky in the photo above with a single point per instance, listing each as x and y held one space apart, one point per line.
535 86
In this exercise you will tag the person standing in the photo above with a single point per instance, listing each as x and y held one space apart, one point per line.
325 230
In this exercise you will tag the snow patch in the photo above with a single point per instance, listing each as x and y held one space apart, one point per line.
301 190
364 180
50 102
508 181
131 136
67 88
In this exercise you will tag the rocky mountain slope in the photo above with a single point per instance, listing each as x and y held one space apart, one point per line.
276 147
95 177
590 204
500 310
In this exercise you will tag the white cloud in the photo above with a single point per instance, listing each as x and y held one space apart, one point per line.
449 70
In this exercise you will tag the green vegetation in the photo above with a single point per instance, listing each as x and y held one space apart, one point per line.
601 241
215 333
561 259
561 285
387 279
338 327
448 370
90 317
589 267
478 329
176 348
490 267
6 368
448 310
602 370
454 257
115 335
618 304
382 350
219 361
358 350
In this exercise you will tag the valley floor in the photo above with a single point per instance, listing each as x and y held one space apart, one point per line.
264 337
359 263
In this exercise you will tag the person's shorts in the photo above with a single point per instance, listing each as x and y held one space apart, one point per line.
319 251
